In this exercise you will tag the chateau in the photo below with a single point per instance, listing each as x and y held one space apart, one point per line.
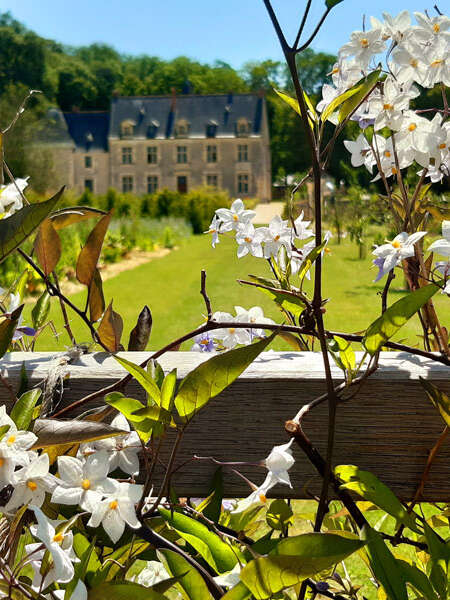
177 142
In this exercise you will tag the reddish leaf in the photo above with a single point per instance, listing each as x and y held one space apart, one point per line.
47 246
140 335
110 329
89 255
96 298
74 214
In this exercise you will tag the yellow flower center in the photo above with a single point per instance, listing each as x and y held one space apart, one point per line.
334 71
414 62
11 439
388 106
248 240
442 146
394 171
436 28
113 505
86 484
204 342
364 42
327 250
387 153
412 126
31 485
232 330
262 498
396 244
436 63
58 538
235 218
276 238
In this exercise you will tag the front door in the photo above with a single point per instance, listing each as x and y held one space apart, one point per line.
182 186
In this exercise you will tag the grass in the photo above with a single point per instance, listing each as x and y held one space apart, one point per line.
170 287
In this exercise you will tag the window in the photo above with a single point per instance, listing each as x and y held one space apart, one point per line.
127 156
127 183
152 129
181 128
152 184
89 185
242 153
182 184
88 162
152 155
242 127
211 129
182 154
211 154
212 180
243 184
127 128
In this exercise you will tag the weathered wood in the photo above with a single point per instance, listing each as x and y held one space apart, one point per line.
388 428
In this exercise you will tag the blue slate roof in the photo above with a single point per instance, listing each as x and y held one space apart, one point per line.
89 130
156 116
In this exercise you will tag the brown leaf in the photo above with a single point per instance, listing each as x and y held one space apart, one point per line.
7 328
90 253
47 246
51 432
74 214
96 297
140 335
110 329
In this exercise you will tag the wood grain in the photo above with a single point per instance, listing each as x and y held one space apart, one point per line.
388 428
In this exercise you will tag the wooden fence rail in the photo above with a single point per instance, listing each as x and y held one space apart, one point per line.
388 428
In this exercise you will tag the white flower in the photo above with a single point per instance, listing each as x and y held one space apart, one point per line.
230 578
391 254
15 443
152 573
46 533
232 336
79 593
279 461
361 152
122 450
214 230
393 27
10 196
437 57
430 29
391 104
363 45
277 234
232 217
442 246
117 509
258 496
254 314
31 484
249 241
203 342
444 269
433 143
301 231
83 483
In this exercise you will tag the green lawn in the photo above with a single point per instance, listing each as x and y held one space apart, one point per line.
170 287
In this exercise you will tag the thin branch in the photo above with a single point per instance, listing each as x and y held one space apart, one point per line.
276 25
302 25
20 110
205 295
314 33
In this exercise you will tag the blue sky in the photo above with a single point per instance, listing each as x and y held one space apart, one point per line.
231 30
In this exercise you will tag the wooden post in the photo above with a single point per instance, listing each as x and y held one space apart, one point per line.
388 428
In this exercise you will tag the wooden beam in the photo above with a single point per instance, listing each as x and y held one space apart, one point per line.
388 428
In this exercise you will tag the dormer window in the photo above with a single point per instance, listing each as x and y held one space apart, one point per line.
181 128
242 127
211 129
127 128
152 129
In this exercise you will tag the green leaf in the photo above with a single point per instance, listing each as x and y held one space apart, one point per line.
293 103
383 328
213 508
81 546
8 327
142 377
279 514
213 376
22 411
221 556
417 579
168 390
127 406
385 567
363 88
123 591
439 400
336 102
190 579
3 430
370 488
41 310
346 354
238 592
18 227
295 559
81 569
331 3
439 563
310 260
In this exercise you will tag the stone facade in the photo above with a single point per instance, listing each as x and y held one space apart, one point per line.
146 144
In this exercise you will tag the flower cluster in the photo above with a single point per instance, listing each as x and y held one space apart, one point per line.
415 54
82 481
273 242
11 197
